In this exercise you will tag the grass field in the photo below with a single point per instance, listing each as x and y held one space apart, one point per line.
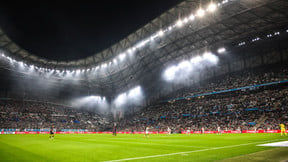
176 147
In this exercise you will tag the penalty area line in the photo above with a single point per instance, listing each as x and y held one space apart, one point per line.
188 152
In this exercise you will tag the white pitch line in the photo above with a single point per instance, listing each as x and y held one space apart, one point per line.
187 152
276 144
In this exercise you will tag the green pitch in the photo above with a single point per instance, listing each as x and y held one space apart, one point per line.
90 147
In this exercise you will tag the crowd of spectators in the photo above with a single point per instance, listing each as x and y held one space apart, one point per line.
243 110
238 79
38 115
250 109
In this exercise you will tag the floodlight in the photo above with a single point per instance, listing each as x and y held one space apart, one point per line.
114 60
160 33
191 17
104 65
179 23
200 12
122 56
185 20
212 7
221 50
130 50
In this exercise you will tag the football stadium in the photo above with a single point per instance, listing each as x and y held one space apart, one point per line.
200 80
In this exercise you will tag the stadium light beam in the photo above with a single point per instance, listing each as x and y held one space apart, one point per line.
210 57
196 60
169 74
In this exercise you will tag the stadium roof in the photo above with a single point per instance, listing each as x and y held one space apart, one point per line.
171 37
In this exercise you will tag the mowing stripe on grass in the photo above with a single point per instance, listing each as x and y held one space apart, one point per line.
187 152
148 143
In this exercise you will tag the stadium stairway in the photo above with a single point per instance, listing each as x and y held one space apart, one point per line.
260 121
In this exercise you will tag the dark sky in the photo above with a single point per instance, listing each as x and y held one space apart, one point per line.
74 31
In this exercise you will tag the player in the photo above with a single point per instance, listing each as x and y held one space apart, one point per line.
51 134
114 129
132 130
169 130
283 130
202 130
219 129
188 131
147 131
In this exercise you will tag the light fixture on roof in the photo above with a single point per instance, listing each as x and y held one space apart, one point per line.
241 43
179 23
141 44
185 20
212 7
224 1
221 50
114 60
200 12
122 56
192 17
104 65
160 33
130 50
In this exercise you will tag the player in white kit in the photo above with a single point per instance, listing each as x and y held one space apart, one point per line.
219 129
147 131
169 130
188 131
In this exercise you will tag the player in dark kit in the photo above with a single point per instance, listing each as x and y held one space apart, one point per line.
51 134
114 129
132 130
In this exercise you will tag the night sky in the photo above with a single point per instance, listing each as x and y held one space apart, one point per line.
73 31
